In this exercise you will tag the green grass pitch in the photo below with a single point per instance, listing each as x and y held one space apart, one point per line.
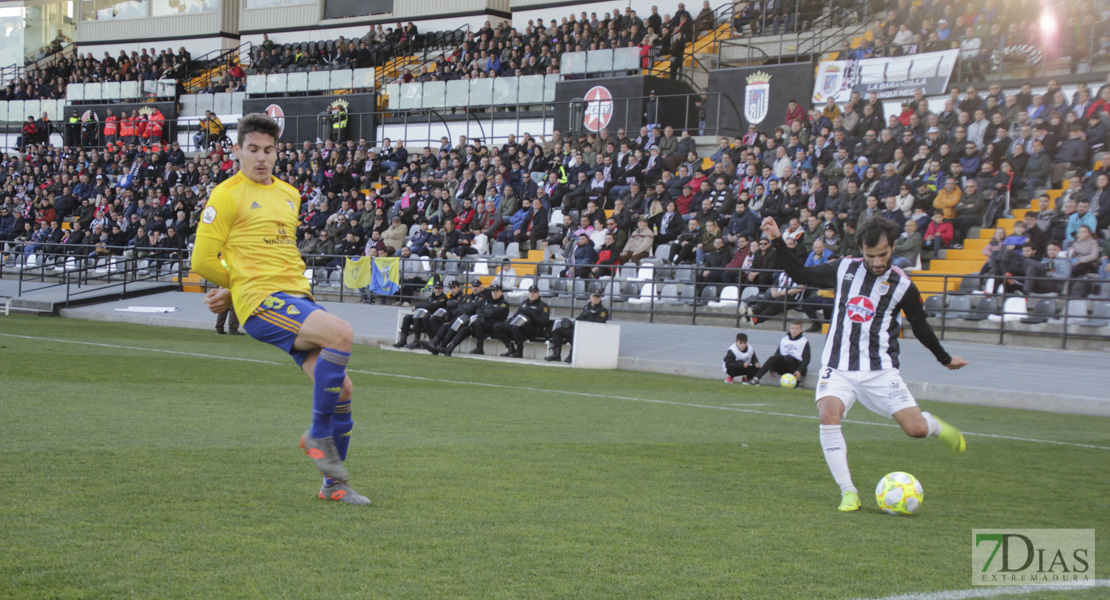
133 473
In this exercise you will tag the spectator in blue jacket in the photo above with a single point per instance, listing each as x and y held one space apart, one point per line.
585 256
1082 216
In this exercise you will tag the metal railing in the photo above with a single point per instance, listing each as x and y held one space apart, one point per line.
204 69
645 292
830 26
82 271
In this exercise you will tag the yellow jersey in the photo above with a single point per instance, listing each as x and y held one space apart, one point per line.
254 228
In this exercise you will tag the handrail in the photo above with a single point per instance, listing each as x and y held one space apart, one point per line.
205 69
822 30
399 68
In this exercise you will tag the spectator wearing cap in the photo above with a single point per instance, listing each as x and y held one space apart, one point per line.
394 236
412 323
460 314
530 320
493 310
562 330
430 323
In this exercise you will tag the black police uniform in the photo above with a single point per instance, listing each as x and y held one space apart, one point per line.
493 311
410 322
513 336
430 323
562 335
467 307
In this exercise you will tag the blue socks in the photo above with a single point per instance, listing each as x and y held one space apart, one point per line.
341 424
329 374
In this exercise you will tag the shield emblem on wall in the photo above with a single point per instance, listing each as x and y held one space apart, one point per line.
757 97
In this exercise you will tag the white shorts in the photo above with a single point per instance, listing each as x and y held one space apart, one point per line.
883 392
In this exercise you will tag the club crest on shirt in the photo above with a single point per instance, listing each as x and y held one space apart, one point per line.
884 288
860 309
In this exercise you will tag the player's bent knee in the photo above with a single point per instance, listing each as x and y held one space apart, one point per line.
831 410
348 390
917 430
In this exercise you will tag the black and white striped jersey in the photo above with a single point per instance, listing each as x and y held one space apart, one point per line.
867 312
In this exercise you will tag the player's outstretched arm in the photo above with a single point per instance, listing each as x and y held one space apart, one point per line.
915 313
822 276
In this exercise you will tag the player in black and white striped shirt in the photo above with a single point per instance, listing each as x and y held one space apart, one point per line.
860 360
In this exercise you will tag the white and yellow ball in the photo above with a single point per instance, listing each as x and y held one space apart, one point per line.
899 494
788 381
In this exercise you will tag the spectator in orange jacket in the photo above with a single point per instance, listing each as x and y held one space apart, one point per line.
948 197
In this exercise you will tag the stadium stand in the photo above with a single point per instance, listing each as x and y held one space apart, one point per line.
990 181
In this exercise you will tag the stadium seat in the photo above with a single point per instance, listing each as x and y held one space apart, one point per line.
669 293
662 251
645 273
1099 318
1013 309
521 291
934 306
1074 312
685 294
1044 310
647 295
684 274
498 249
544 283
513 249
730 296
987 306
959 307
707 295
970 284
628 289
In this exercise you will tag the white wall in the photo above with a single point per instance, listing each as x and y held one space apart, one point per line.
418 135
357 31
521 13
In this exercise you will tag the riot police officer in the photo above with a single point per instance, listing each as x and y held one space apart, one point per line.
430 323
493 311
467 306
530 320
434 302
563 330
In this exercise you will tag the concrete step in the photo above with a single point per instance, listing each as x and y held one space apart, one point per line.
957 267
965 254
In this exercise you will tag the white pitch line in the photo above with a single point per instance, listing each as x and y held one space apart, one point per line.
1003 590
543 390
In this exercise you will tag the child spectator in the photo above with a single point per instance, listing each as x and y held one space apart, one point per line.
740 360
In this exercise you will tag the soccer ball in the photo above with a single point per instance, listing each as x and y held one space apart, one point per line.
788 381
899 494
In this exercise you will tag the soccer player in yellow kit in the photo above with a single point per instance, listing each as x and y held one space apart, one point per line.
250 222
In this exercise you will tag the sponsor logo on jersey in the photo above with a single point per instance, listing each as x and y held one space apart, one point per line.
255 205
860 309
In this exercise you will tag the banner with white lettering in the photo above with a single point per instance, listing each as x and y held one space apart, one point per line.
890 78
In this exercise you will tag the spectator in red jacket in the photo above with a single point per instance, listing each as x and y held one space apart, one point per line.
939 234
794 112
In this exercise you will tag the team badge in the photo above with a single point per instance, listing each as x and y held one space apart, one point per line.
208 216
599 108
860 309
830 85
884 288
757 97
291 207
276 113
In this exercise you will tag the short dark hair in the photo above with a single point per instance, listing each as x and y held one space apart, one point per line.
875 229
741 337
257 123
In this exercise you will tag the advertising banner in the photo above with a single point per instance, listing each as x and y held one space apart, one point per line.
890 78
623 102
755 95
311 117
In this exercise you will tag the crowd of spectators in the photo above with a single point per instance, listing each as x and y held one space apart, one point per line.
990 33
501 51
49 82
599 202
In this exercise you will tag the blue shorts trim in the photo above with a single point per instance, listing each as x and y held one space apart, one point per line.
278 320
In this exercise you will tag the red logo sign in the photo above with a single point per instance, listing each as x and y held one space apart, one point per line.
277 114
860 309
599 108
